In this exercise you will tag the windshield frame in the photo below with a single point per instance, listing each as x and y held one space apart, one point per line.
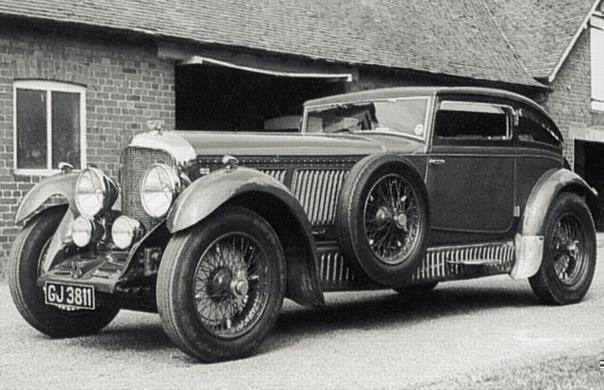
428 99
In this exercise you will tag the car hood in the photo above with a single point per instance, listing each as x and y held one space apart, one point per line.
186 145
284 144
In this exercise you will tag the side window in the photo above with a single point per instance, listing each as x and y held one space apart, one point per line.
470 121
531 128
49 125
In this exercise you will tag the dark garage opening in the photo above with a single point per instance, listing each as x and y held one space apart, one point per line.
590 165
219 98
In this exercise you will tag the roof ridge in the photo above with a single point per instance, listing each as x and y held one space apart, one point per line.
572 43
542 32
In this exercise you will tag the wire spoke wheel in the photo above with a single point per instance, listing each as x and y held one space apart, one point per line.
382 219
42 258
231 285
567 247
569 252
391 219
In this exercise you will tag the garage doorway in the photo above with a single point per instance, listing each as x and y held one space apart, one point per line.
589 164
210 97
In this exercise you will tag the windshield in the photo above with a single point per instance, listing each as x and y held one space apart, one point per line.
404 116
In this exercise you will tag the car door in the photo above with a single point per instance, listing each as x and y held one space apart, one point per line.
470 177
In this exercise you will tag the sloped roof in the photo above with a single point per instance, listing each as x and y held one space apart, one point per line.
541 31
457 38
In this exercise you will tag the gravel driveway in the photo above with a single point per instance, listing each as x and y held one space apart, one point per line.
362 340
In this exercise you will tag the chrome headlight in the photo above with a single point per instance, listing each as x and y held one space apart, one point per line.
158 189
125 231
81 231
94 192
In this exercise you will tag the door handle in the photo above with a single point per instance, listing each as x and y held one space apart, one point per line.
437 161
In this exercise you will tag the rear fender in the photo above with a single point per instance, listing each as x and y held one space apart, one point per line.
210 192
529 238
62 185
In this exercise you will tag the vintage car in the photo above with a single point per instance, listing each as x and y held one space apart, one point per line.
396 188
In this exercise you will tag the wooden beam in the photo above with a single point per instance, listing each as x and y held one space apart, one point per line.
258 63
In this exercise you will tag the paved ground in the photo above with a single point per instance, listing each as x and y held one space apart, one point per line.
364 340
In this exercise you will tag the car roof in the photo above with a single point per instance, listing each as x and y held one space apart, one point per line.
403 92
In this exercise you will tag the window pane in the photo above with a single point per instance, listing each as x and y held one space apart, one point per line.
406 116
65 128
597 64
31 129
531 131
403 116
470 125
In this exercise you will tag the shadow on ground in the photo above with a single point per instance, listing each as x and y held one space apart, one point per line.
345 311
387 310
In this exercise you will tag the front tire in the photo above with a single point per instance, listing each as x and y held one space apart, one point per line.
26 256
221 285
569 252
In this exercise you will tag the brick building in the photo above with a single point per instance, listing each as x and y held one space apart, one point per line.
561 43
79 79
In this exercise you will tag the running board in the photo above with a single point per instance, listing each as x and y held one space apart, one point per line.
465 261
439 264
489 254
477 262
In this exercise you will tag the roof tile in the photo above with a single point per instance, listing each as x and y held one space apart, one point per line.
539 30
455 38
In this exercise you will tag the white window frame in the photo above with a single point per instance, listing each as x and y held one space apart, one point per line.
49 87
597 101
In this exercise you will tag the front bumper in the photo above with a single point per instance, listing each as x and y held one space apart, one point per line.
103 271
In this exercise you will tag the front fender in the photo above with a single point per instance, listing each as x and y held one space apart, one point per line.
529 239
62 184
210 192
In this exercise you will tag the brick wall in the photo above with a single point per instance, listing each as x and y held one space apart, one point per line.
126 85
570 101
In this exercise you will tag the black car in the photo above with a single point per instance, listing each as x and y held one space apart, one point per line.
397 188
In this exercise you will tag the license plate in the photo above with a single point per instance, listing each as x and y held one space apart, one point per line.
69 296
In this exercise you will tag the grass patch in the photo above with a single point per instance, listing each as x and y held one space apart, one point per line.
564 372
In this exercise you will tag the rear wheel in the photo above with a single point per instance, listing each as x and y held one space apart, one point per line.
27 254
221 285
569 252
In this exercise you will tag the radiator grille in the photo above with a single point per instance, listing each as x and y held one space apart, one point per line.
136 162
317 191
278 174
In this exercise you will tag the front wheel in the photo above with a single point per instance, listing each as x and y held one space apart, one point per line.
569 252
221 285
25 264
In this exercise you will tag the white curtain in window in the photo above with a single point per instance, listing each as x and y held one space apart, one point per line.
597 60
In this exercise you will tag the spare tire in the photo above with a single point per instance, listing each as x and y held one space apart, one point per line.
382 219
